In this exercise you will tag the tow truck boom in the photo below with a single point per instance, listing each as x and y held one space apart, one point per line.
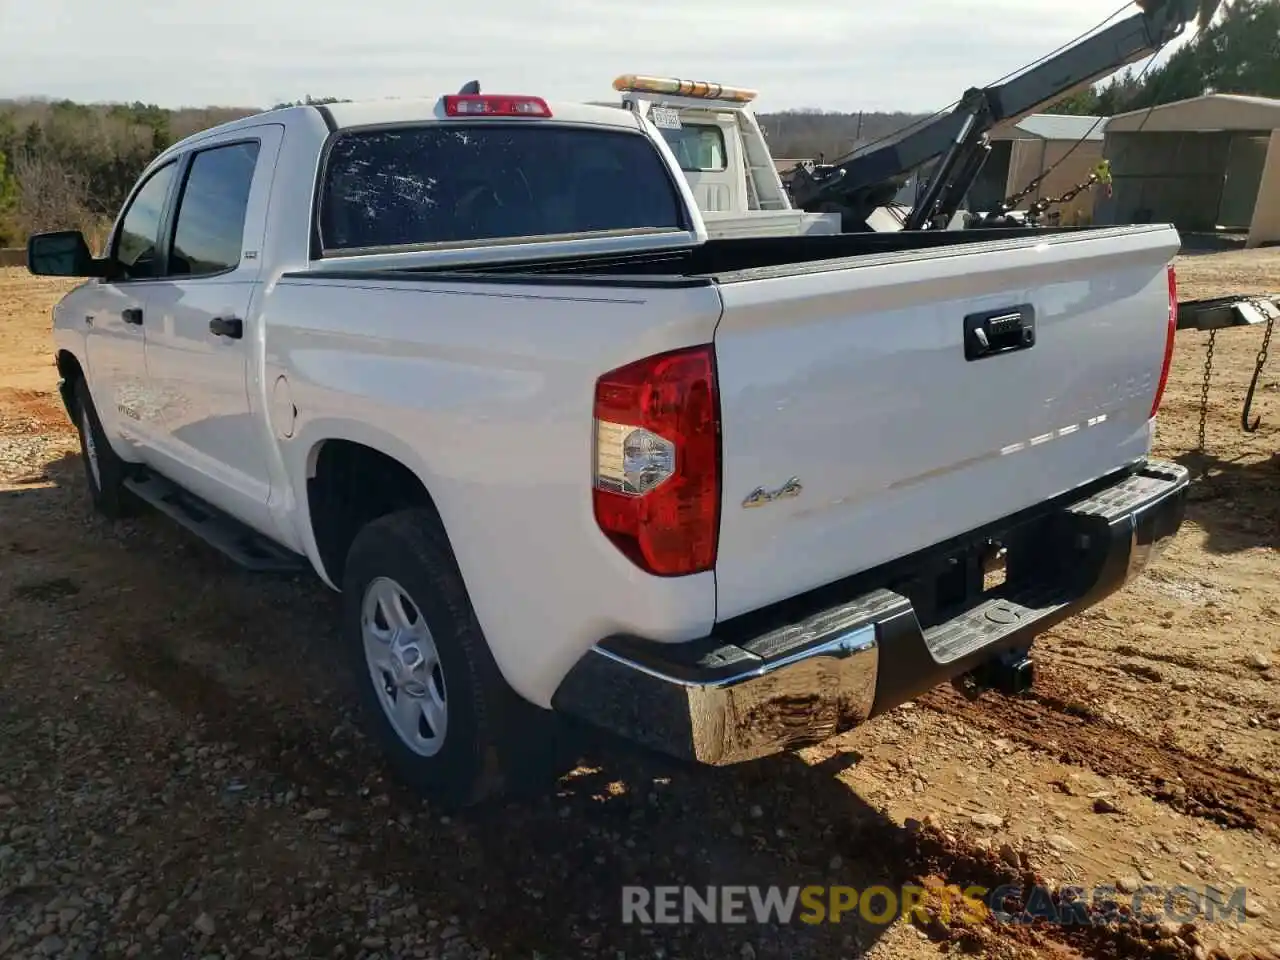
868 178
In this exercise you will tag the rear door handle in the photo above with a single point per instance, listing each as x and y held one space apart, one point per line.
132 315
232 327
993 332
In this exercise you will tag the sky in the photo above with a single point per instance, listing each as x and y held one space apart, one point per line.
848 55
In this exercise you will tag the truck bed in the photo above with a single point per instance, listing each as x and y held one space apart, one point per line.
723 259
860 419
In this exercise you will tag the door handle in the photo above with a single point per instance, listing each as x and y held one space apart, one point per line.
232 327
132 315
993 332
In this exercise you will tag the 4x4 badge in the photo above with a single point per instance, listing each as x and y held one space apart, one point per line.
760 496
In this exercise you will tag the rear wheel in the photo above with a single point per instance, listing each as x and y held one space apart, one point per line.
404 666
429 688
104 471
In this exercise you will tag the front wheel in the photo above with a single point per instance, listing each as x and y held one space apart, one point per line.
104 471
429 687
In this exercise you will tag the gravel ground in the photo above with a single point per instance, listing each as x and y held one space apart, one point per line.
181 774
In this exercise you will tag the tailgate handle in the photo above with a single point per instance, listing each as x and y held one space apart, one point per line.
993 332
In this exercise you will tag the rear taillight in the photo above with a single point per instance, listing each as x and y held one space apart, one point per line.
494 105
1168 341
657 461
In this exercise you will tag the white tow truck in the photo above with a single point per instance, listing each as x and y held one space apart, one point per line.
477 364
722 152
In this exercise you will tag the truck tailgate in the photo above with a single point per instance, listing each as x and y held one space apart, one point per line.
856 430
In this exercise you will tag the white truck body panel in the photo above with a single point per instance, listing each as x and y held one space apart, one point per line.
491 407
771 223
855 382
214 441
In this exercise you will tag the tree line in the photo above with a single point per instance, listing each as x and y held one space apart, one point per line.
1239 52
66 165
70 165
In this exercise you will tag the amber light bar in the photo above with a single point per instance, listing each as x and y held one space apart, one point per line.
698 89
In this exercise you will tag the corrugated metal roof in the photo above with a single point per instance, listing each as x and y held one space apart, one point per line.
1053 126
1214 111
1222 98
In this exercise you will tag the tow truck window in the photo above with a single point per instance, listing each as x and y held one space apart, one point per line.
699 147
448 183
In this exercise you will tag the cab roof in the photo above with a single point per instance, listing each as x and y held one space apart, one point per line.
371 112
361 113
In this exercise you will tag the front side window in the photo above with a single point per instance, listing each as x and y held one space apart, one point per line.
699 147
452 183
209 231
135 244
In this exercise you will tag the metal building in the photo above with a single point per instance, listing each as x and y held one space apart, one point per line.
1067 146
1208 165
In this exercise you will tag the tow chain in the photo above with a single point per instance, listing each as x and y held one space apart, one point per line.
1010 203
1044 203
1258 366
1101 174
1204 387
1253 384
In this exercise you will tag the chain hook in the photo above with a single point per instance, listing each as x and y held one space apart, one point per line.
1261 361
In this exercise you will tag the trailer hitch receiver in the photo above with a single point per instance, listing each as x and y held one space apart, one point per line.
1010 672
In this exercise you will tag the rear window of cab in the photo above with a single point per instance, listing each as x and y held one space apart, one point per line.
451 183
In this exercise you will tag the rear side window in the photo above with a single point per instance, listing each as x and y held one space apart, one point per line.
211 212
449 183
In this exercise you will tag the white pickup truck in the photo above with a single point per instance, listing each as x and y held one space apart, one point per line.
476 363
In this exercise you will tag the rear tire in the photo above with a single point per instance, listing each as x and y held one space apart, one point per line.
104 471
429 689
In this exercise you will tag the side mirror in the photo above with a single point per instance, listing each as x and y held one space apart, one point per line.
63 253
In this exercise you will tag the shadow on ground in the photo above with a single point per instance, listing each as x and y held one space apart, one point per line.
1236 502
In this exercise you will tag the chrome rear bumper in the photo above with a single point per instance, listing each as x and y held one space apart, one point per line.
816 692
814 667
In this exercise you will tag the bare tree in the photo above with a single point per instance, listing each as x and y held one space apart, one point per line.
50 196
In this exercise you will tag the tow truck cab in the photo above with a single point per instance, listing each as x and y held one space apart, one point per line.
722 151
